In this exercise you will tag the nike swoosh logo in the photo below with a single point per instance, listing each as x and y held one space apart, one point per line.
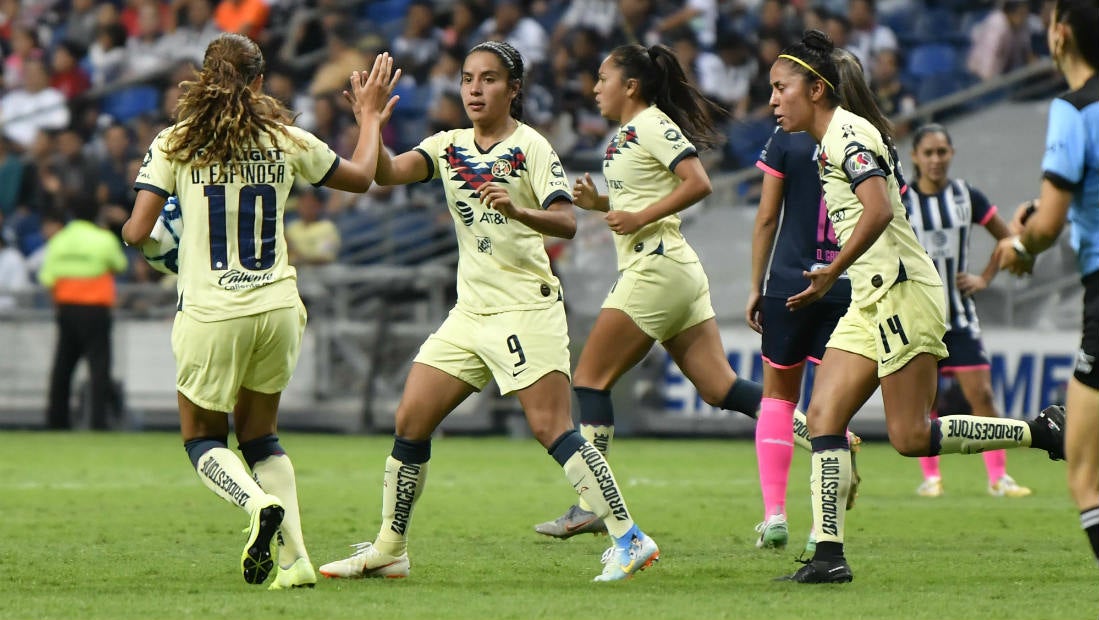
516 373
887 360
573 528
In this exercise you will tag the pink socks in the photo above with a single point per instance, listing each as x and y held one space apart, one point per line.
774 451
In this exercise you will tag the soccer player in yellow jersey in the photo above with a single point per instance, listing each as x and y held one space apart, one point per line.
232 159
892 332
506 189
662 293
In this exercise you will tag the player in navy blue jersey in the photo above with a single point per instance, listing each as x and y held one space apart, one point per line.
1070 190
942 211
792 235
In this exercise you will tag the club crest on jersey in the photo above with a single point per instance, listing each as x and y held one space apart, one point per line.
501 168
484 245
621 140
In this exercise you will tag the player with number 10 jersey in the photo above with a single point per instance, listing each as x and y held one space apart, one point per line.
232 259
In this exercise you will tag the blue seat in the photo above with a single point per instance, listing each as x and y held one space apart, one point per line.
932 59
131 102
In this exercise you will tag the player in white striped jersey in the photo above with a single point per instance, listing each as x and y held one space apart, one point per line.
943 211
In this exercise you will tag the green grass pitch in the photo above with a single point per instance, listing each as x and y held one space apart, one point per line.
118 526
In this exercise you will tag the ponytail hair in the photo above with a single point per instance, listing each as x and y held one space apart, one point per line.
664 83
219 115
812 57
855 95
513 62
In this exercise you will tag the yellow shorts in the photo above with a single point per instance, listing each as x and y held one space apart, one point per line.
908 320
516 348
662 296
215 359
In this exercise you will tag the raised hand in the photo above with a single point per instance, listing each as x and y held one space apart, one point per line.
372 93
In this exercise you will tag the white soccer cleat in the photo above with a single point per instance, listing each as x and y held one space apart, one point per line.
931 487
367 562
622 561
773 532
1007 487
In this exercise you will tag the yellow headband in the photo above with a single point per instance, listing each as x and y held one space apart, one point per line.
811 70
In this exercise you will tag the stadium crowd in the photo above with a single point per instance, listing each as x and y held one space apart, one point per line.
86 85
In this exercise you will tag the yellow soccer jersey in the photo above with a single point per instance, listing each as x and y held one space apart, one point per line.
638 167
232 255
502 265
851 152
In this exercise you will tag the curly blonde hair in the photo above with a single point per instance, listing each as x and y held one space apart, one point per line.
219 116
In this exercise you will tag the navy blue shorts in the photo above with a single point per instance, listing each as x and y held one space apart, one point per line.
1085 371
791 337
966 352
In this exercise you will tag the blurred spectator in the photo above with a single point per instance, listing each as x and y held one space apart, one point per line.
446 74
738 68
114 189
636 25
107 56
11 179
773 22
146 51
190 38
447 113
247 17
460 32
68 76
80 24
892 96
304 46
868 37
312 239
838 27
509 22
418 44
24 46
703 69
1001 41
78 268
343 58
598 15
700 16
35 106
77 171
14 276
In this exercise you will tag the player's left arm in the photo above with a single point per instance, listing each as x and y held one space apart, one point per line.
147 208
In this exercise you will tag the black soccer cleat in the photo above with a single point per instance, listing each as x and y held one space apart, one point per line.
821 571
1047 432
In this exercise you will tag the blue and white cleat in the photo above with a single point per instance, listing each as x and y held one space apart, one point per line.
632 553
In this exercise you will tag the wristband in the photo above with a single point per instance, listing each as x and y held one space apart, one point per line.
1020 249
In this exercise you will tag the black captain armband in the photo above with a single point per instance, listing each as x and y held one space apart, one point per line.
860 163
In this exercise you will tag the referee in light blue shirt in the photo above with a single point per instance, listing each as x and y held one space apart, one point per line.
1070 189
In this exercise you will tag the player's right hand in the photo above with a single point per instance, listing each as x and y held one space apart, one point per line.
1022 214
751 312
584 194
